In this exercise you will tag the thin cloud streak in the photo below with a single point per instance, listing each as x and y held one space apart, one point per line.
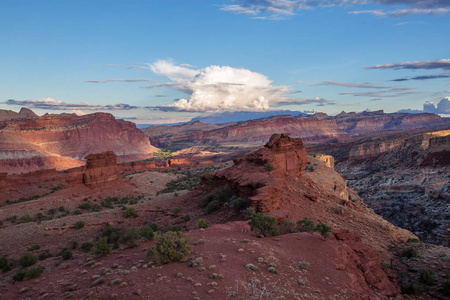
52 104
353 85
119 80
414 65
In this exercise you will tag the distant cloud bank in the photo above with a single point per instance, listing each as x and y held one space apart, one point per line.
222 88
443 107
52 104
428 64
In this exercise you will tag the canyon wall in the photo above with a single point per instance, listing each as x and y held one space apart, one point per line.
63 141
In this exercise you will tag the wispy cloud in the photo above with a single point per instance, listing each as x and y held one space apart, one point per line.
52 104
427 64
303 101
218 88
138 67
391 93
376 99
280 9
424 77
353 85
119 80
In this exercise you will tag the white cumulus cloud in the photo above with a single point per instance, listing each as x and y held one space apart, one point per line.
220 88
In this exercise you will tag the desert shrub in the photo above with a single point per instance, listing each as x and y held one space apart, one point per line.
324 230
249 212
73 244
147 233
77 212
218 195
85 205
411 240
62 209
28 274
174 227
176 210
287 226
34 247
153 226
212 206
427 276
306 225
445 287
44 255
264 225
87 246
415 289
268 167
79 225
172 246
101 247
238 203
66 254
130 212
201 223
25 219
1 223
410 252
187 217
129 238
27 260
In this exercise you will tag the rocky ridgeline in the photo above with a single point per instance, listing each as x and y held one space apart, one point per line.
315 130
406 180
62 141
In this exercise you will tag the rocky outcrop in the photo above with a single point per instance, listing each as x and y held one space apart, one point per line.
100 169
62 141
24 113
258 174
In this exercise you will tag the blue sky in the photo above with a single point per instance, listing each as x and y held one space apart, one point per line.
168 61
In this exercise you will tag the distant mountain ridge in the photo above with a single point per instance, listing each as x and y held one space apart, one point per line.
238 116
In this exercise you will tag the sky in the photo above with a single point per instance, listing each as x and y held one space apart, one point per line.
167 61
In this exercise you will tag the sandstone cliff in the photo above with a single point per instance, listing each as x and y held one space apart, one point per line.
63 141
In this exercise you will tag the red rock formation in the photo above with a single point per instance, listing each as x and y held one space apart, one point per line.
251 175
367 261
100 169
62 141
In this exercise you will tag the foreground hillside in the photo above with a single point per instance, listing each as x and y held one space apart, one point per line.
29 142
361 259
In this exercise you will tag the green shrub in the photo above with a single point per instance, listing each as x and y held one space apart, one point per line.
153 226
264 225
28 274
218 195
79 225
85 205
130 212
249 212
212 206
306 225
201 224
410 252
27 260
87 246
268 167
187 217
25 219
44 255
238 203
415 289
172 246
176 210
129 238
287 226
66 254
411 240
175 227
324 230
73 244
101 247
77 212
427 276
147 233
